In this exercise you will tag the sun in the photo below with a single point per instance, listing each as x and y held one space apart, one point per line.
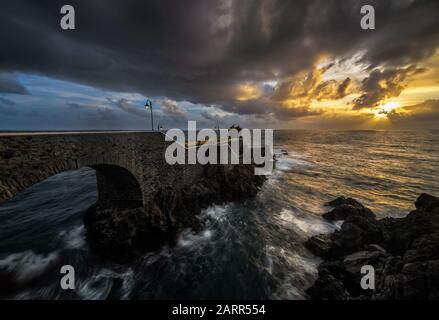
383 110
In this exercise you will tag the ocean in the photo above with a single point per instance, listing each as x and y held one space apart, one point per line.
248 250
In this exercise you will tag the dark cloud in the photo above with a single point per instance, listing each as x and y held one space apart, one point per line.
7 102
211 117
8 110
7 107
79 106
303 89
201 51
171 109
418 114
126 106
382 85
343 88
285 114
10 84
94 113
106 114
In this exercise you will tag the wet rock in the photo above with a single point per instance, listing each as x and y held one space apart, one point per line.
426 202
328 287
124 234
375 247
353 262
420 280
320 245
356 232
404 253
344 211
344 201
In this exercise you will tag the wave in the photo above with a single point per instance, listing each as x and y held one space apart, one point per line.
73 238
105 282
27 265
188 238
288 160
307 224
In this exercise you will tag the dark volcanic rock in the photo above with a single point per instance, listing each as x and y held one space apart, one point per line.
426 202
344 211
328 287
122 234
404 253
355 233
321 245
342 200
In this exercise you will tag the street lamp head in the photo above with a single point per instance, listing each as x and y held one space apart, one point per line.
148 106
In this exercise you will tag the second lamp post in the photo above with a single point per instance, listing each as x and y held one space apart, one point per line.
148 105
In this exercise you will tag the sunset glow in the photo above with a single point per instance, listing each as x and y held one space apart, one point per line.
219 70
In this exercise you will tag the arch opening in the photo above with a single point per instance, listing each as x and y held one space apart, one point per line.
117 187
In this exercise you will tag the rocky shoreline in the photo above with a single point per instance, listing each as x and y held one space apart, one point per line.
123 234
403 251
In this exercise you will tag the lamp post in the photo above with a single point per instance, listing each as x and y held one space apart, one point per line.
148 105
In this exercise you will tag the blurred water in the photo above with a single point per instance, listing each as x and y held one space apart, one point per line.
248 250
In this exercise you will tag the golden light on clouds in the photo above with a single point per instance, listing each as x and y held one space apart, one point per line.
346 90
382 111
248 92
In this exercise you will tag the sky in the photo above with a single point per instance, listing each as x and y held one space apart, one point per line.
296 64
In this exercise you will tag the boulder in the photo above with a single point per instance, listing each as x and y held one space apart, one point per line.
352 263
320 245
344 201
420 280
347 207
355 233
328 287
122 234
404 253
426 202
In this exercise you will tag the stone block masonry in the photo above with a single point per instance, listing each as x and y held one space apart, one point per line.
142 200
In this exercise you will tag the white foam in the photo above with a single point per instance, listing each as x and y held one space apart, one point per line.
216 212
99 285
73 238
188 239
302 271
288 164
28 265
291 161
96 288
307 224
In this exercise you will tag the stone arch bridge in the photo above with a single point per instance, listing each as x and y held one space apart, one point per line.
142 201
130 166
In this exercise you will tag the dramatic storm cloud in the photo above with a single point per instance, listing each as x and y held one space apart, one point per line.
126 106
269 59
10 84
381 85
171 109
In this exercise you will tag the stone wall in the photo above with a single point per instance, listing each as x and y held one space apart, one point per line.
117 158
